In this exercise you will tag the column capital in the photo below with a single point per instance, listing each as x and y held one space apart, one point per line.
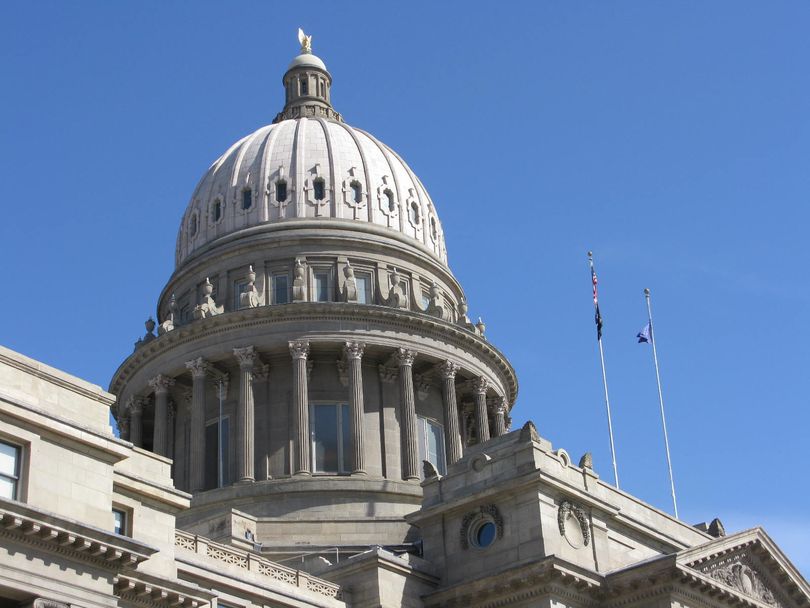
246 356
354 350
447 369
479 386
198 367
161 383
299 349
135 406
404 357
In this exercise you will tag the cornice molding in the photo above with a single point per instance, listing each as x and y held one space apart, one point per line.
387 318
85 543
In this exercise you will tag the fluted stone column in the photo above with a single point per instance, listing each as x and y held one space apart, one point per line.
123 425
300 351
500 416
245 436
452 434
354 353
136 421
410 448
479 387
160 436
196 453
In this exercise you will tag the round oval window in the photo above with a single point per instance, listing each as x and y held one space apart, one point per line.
485 534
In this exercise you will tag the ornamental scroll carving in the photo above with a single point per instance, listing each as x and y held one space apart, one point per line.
569 510
737 573
490 511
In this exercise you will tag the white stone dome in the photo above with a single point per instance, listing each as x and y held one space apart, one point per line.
309 168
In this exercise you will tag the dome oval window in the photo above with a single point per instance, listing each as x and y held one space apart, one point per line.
281 191
216 211
319 189
357 190
433 228
192 225
247 199
391 202
414 213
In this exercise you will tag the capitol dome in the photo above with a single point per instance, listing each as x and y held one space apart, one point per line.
312 347
310 165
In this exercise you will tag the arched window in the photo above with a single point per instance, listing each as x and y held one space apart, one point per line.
281 191
319 189
322 89
192 227
414 213
357 189
392 204
216 211
304 86
433 228
247 198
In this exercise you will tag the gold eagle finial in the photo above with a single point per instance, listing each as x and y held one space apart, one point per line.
306 41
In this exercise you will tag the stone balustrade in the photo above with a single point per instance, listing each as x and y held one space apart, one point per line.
247 560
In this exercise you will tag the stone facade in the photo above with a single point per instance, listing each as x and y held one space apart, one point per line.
318 422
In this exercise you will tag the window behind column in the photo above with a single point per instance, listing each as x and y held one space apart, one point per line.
10 456
431 443
212 454
331 437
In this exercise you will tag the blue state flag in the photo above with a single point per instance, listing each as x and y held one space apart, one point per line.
645 335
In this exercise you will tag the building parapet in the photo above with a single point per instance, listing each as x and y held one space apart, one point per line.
251 562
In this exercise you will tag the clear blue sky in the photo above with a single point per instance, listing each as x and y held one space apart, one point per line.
672 139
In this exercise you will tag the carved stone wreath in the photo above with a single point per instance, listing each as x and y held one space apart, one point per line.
484 510
568 509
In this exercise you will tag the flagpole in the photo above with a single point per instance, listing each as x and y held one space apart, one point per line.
604 373
661 400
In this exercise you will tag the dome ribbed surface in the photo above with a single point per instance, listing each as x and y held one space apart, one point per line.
329 170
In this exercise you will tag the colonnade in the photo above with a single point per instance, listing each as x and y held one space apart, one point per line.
400 363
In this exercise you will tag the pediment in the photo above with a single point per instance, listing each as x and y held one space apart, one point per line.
750 564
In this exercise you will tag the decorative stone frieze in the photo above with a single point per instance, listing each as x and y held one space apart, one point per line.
570 515
422 383
739 572
388 373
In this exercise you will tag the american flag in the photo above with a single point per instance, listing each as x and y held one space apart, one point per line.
598 315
